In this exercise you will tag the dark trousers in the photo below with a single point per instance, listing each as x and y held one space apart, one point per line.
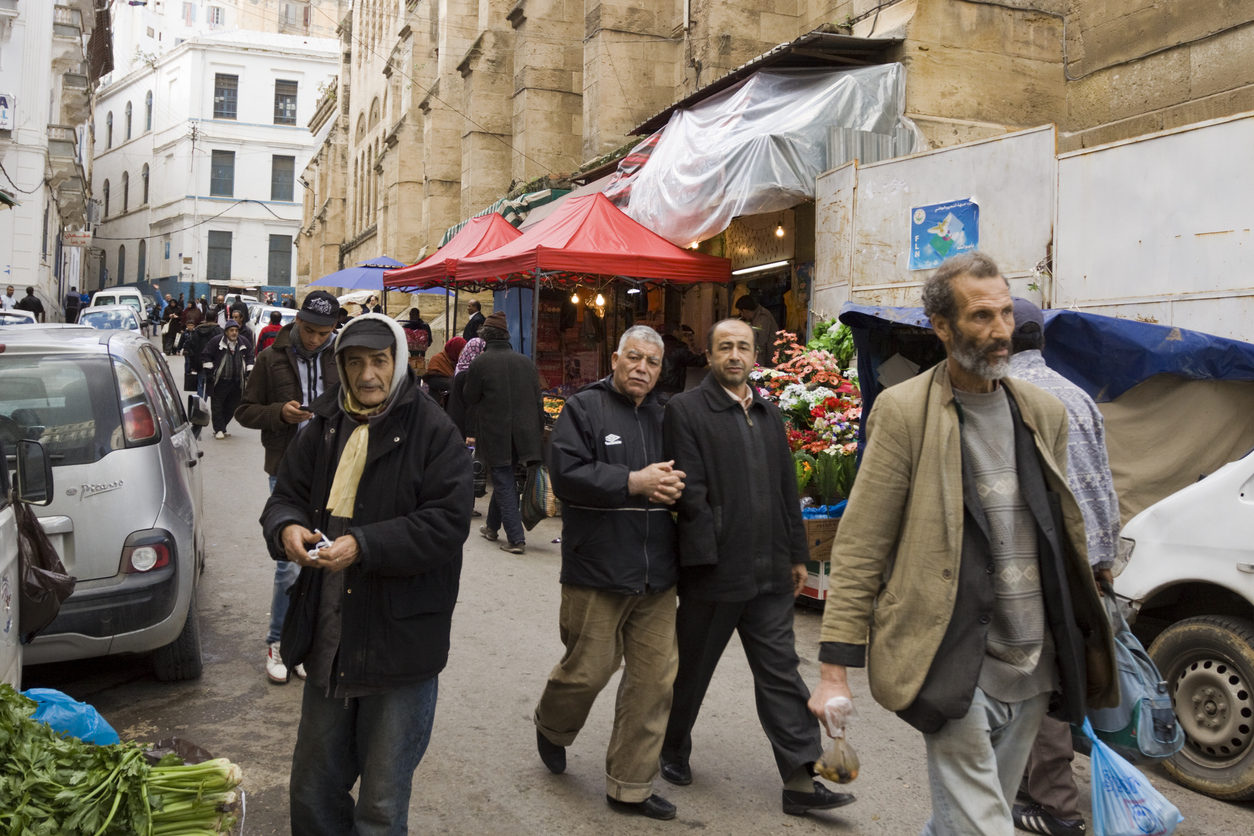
703 629
225 400
503 507
1048 779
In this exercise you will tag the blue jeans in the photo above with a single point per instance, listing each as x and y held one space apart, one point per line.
285 573
380 739
503 507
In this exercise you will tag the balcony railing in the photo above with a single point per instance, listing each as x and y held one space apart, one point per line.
67 16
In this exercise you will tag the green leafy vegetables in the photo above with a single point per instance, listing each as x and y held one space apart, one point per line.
60 785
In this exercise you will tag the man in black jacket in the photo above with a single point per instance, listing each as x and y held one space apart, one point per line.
502 396
224 364
619 567
475 322
382 472
299 367
742 554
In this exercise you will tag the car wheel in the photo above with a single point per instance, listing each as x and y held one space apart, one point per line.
1208 663
180 659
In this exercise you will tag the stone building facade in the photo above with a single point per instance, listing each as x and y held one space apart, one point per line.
444 106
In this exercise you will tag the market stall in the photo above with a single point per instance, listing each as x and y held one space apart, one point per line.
574 281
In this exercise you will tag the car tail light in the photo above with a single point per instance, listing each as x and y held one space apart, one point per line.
145 558
138 423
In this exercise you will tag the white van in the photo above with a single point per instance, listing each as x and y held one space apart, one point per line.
120 296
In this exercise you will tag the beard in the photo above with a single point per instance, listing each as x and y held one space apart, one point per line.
973 356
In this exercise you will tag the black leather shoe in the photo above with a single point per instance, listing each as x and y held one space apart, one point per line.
554 756
799 803
676 772
653 807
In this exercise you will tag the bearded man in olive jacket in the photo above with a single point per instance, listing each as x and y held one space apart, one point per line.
506 411
964 584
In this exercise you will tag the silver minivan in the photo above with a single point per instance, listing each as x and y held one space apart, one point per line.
126 514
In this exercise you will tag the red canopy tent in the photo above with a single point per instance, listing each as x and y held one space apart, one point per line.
588 236
480 235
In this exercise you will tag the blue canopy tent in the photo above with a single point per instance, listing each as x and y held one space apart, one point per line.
366 275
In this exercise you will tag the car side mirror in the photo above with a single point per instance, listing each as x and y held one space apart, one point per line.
196 411
34 473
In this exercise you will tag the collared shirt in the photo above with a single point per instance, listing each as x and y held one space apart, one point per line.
745 402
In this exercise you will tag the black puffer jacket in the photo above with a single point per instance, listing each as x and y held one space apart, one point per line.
610 539
412 516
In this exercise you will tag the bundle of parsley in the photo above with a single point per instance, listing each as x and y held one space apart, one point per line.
60 785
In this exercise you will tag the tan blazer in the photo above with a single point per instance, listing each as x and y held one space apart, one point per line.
896 555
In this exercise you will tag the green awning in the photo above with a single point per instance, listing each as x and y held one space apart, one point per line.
7 199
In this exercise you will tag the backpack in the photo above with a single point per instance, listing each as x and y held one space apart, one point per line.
1144 724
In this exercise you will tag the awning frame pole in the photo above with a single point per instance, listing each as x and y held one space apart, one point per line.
535 317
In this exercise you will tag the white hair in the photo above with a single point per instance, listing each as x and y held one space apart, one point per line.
643 333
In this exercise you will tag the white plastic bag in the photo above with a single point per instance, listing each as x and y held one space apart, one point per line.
1124 801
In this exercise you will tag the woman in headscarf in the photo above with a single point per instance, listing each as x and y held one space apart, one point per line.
440 369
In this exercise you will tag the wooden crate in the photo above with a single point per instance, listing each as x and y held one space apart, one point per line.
820 533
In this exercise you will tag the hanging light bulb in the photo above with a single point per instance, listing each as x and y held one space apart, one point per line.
694 245
779 231
600 301
574 298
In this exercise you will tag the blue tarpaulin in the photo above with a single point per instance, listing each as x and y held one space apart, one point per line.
1102 355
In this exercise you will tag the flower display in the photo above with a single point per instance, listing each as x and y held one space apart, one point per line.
822 409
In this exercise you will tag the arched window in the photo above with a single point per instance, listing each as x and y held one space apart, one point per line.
144 176
148 111
122 264
128 120
126 190
109 131
106 198
143 258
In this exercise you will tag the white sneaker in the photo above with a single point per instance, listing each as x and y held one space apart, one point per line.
299 670
219 434
276 671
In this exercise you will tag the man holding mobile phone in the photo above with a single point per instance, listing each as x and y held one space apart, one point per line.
285 382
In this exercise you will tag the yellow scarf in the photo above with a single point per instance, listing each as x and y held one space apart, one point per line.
352 461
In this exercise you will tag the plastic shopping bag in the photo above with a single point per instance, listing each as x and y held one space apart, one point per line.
839 762
69 716
1124 802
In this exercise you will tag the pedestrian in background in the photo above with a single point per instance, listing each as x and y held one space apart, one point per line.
285 382
742 556
8 301
964 582
270 331
475 321
380 472
439 374
502 394
72 305
225 362
618 573
764 328
1049 801
30 302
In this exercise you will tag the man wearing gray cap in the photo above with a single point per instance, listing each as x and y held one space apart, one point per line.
288 377
373 501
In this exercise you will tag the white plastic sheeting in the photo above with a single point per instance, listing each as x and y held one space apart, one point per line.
758 147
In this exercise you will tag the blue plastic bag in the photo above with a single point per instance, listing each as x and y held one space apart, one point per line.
69 716
1124 802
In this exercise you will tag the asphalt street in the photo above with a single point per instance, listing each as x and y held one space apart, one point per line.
481 773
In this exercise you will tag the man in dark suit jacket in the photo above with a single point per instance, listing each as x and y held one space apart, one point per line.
502 396
475 322
742 554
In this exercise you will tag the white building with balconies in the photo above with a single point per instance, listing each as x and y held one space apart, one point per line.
50 53
196 161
